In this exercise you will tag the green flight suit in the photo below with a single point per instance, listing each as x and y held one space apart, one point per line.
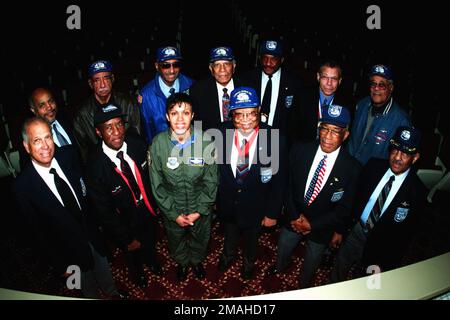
184 180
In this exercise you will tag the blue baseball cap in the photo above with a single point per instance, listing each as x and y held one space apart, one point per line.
168 53
271 47
406 139
243 97
336 115
382 71
99 66
221 53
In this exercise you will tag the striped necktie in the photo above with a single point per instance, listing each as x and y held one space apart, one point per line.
62 141
242 167
375 213
316 182
225 104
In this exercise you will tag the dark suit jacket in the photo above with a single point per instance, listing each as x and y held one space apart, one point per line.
307 116
389 238
206 101
331 210
287 102
111 197
58 234
247 204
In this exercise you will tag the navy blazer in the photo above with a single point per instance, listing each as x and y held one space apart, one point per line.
60 236
206 102
112 198
259 195
331 210
307 116
288 95
393 232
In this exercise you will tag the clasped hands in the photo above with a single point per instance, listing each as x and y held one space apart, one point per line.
301 225
185 220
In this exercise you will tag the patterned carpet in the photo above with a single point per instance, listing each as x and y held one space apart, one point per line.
216 284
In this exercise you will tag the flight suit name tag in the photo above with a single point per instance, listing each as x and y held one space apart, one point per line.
196 162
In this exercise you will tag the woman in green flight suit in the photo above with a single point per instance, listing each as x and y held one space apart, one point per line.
184 181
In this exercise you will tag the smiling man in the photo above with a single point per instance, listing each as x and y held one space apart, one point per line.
320 194
388 207
377 117
153 96
101 81
212 95
52 199
251 189
117 177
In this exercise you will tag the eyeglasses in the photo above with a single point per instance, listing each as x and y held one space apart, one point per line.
167 65
380 85
241 115
334 133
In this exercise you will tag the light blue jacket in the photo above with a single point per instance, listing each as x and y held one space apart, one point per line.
376 142
153 105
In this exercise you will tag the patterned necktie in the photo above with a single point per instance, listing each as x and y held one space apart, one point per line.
126 170
70 203
374 215
62 141
171 91
225 104
242 167
316 181
265 104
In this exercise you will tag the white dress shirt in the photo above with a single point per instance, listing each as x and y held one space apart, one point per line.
60 130
235 152
394 189
49 179
331 159
112 155
230 87
275 89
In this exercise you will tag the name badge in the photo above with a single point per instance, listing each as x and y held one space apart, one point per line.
337 196
288 101
401 214
266 175
196 162
172 163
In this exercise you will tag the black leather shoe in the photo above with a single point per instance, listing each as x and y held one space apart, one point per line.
272 270
121 295
199 271
141 281
223 264
247 274
182 273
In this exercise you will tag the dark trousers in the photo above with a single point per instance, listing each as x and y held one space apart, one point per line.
144 232
250 236
287 242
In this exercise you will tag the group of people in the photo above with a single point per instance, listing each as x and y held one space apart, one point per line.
257 150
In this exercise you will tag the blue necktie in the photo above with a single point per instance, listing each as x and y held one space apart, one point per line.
62 141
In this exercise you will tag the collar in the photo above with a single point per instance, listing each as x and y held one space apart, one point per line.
111 153
165 88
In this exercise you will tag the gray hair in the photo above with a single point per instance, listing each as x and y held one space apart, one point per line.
31 121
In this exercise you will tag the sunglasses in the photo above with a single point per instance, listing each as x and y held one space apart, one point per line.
167 65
